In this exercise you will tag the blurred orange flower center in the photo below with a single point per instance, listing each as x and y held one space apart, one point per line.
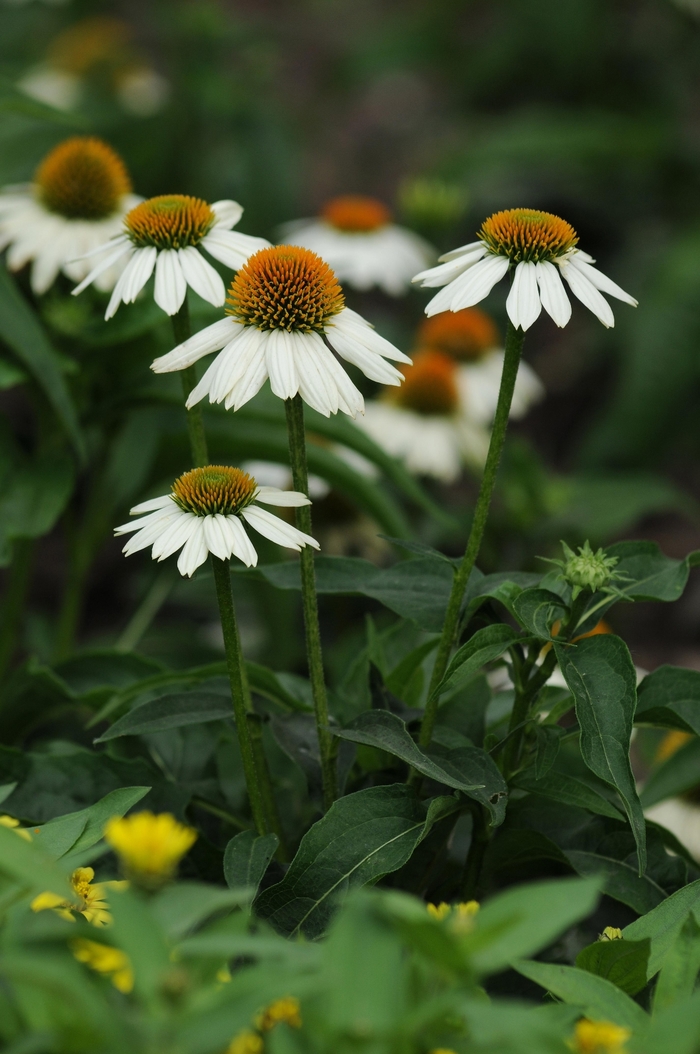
82 179
214 489
464 334
285 287
430 387
170 221
356 214
528 235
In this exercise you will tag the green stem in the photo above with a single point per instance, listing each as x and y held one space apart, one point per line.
83 544
524 699
195 419
145 612
476 853
513 351
328 746
14 600
232 645
272 818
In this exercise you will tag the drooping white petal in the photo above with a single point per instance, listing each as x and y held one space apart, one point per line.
462 250
201 276
227 368
194 552
252 380
349 322
450 269
122 284
277 530
162 502
171 287
174 536
523 304
279 359
227 213
241 545
371 364
341 393
477 283
231 247
144 260
598 279
150 532
587 293
103 265
283 498
552 293
212 338
216 536
316 384
121 239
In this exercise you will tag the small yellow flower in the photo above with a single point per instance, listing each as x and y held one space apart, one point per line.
107 960
611 933
285 1009
149 847
90 900
246 1042
599 1037
439 911
672 742
461 915
13 824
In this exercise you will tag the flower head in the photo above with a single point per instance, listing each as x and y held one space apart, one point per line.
168 233
105 959
356 236
148 846
205 513
461 916
540 248
586 569
90 900
464 335
282 1010
599 1037
285 307
13 824
611 933
246 1042
76 202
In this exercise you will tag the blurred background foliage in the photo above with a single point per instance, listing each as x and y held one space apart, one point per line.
448 111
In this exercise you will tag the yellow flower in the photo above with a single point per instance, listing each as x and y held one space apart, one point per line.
461 915
105 959
286 1009
611 933
11 822
149 847
439 911
599 1037
442 1050
90 900
246 1042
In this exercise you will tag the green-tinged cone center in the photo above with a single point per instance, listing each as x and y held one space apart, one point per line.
528 235
171 221
214 489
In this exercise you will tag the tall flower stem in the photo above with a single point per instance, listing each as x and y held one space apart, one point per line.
513 351
326 741
234 662
195 420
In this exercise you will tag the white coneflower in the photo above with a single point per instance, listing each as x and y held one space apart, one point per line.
206 512
541 248
168 233
356 237
79 196
282 304
428 423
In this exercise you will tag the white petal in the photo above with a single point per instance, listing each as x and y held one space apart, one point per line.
552 293
341 392
371 364
316 384
470 288
174 536
234 362
121 239
149 533
462 250
600 280
216 536
140 270
152 504
227 213
242 547
349 322
212 338
523 304
121 284
587 293
231 247
171 287
449 270
201 276
279 359
277 530
104 265
283 498
195 551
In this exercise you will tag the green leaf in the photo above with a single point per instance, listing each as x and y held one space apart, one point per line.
670 697
664 924
547 742
505 587
618 879
524 920
23 333
171 711
537 609
28 865
35 495
486 645
677 774
597 997
136 931
680 968
246 859
622 962
401 676
182 907
653 575
601 676
81 830
570 790
362 837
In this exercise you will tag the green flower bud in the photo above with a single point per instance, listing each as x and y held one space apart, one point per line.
587 570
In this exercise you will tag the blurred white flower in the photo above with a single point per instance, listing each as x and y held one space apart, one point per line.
167 234
78 199
282 305
356 237
541 249
52 86
143 91
206 512
272 474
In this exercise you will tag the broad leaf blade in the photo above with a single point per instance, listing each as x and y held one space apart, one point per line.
598 998
670 697
246 859
170 711
486 645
